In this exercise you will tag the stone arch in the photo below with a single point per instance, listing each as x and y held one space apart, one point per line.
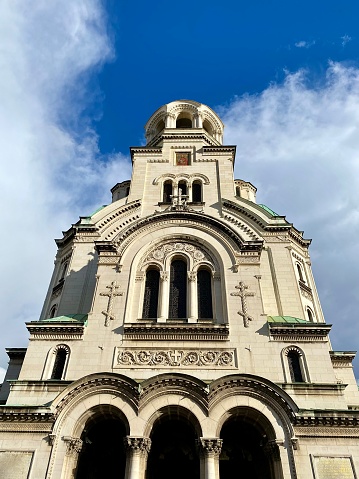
180 386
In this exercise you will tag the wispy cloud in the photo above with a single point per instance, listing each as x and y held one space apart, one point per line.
304 44
52 169
299 143
345 39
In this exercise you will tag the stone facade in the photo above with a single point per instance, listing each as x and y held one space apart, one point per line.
220 366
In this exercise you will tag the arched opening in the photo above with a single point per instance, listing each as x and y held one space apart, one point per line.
248 447
178 290
159 127
150 298
59 362
167 191
204 294
295 369
310 315
103 451
173 451
63 271
127 191
300 273
197 192
182 185
184 120
53 310
208 127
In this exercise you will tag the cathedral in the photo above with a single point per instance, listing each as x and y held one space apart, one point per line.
181 335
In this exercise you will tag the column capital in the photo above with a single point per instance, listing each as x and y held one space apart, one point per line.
140 445
73 445
210 446
271 449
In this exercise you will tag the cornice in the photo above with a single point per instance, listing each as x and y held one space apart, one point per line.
39 330
180 332
329 418
299 332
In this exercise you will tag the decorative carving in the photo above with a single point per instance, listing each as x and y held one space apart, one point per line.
221 358
73 445
160 253
307 294
164 276
192 276
210 446
139 445
111 294
51 439
243 295
295 443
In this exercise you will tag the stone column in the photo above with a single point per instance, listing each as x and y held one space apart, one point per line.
137 449
193 306
163 297
73 449
210 450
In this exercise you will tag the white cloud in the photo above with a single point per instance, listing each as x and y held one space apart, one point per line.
345 39
304 44
299 144
50 160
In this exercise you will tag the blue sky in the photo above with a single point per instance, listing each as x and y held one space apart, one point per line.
80 79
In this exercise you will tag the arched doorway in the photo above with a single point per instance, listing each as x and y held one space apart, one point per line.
103 451
248 447
173 451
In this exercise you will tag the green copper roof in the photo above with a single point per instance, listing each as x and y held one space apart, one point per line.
285 319
268 210
96 211
69 318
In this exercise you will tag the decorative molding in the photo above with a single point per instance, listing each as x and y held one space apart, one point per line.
160 252
210 446
243 294
139 445
299 331
343 419
192 276
183 358
304 291
323 431
73 445
57 331
179 332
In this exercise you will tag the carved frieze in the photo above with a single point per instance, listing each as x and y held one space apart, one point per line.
160 252
184 358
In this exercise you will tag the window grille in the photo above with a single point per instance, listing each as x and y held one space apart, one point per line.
150 299
204 294
178 290
197 192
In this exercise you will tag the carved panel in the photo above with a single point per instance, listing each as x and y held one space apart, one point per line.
333 467
184 358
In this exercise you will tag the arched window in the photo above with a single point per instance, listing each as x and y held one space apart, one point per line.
182 122
53 311
197 192
167 191
204 294
61 353
178 290
64 270
310 315
294 365
127 191
300 273
150 299
182 185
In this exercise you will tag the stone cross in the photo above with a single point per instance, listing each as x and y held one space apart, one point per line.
111 294
243 294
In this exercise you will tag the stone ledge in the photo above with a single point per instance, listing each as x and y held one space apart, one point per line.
165 331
